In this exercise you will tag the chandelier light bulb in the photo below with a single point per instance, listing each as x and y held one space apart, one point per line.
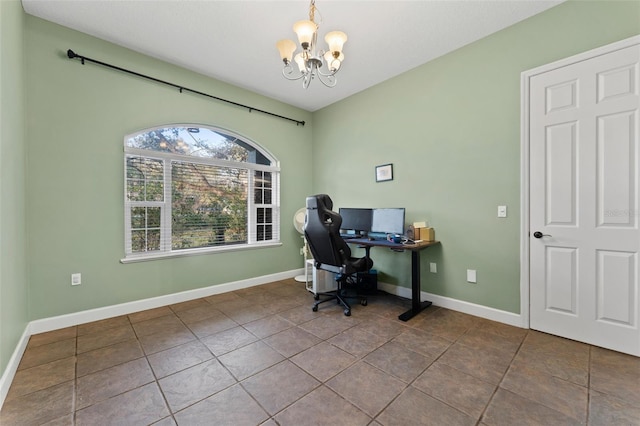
301 63
305 31
335 40
333 63
286 48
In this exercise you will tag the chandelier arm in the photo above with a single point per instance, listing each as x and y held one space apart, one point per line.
328 80
330 74
287 72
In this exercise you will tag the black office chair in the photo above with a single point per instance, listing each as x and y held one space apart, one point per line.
330 252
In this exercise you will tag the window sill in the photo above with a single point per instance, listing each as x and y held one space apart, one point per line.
195 252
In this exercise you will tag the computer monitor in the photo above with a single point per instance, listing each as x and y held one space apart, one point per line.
358 220
388 221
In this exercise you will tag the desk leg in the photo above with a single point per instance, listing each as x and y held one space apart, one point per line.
416 305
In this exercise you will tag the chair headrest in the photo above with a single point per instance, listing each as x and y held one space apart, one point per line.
319 201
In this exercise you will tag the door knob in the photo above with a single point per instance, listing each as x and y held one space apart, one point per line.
539 234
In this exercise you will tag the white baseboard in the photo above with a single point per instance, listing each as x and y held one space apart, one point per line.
458 305
12 366
82 317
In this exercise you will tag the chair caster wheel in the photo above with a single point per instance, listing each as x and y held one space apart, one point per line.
363 302
314 309
347 312
316 297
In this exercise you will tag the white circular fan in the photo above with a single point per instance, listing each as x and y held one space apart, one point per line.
298 219
298 223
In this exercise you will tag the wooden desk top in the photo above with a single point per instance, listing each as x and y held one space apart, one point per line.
394 246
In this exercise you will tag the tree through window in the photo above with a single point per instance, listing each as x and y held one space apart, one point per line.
197 188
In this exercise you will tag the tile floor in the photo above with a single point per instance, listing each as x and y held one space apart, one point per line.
261 356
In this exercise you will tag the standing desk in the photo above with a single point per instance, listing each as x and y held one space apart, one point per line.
416 305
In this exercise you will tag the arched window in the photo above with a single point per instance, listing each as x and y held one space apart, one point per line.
190 189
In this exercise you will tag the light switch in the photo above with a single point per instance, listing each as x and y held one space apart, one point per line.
502 211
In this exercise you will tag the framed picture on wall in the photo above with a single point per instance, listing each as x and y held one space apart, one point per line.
384 172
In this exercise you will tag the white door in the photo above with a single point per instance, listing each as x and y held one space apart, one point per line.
584 199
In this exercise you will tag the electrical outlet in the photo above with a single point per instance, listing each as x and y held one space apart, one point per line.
471 276
76 279
433 268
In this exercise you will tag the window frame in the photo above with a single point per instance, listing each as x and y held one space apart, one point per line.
166 251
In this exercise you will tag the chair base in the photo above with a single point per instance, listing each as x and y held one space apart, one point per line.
340 299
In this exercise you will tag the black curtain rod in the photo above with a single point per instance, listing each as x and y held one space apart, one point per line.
72 55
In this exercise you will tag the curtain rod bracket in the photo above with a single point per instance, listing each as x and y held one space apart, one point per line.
73 55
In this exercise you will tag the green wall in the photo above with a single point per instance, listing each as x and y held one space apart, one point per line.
77 119
13 273
451 128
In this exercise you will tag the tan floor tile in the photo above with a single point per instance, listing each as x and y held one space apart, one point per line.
99 359
42 376
166 339
609 410
267 326
292 341
561 395
228 340
250 359
399 361
323 361
460 390
485 364
232 406
104 338
150 314
325 326
43 354
293 383
143 405
105 324
178 358
156 325
386 328
195 383
366 387
616 374
358 342
333 410
53 336
481 339
413 407
223 298
40 406
423 342
507 408
189 305
105 384
559 357
212 325
445 323
299 314
198 313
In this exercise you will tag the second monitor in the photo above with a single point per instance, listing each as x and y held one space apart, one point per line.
388 221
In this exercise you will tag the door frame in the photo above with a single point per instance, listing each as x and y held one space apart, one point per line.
525 78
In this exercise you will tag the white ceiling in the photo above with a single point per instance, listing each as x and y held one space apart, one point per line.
234 41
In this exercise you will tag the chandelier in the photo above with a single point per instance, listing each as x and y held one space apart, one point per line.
311 60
